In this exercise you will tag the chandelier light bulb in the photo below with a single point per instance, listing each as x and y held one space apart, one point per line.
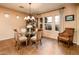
33 17
25 18
28 17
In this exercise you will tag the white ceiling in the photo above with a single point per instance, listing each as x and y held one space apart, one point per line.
36 8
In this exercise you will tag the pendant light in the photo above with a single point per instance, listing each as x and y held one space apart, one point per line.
30 17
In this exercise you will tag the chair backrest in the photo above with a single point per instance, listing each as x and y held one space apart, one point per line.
16 34
69 31
39 34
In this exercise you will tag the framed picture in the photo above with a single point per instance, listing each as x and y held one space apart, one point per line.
69 18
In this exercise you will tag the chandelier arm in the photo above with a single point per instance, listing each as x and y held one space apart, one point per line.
30 17
30 9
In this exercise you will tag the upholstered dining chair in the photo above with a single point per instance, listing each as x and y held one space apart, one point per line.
19 38
37 38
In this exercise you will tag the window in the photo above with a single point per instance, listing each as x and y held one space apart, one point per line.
36 22
41 23
48 23
41 20
57 23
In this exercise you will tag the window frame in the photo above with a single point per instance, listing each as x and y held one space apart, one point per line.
57 24
48 23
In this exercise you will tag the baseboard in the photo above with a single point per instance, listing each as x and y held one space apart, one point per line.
5 37
56 39
49 37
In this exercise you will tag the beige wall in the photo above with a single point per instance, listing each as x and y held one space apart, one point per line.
52 33
8 24
69 10
78 24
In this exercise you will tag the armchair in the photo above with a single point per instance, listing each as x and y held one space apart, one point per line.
19 38
37 37
66 36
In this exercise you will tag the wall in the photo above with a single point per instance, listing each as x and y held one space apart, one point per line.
69 10
8 24
78 24
52 33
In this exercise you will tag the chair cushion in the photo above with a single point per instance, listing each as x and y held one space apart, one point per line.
33 38
23 38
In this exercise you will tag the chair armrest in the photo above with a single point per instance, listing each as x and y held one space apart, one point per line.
60 34
19 34
65 34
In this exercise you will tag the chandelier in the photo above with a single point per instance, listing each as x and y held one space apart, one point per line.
30 17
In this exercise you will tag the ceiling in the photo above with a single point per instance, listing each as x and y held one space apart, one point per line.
36 8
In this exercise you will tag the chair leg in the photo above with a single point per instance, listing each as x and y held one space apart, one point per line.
15 44
68 44
18 45
36 43
26 43
40 42
58 40
30 42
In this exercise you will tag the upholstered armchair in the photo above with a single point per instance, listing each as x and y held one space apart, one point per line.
37 38
19 38
66 36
